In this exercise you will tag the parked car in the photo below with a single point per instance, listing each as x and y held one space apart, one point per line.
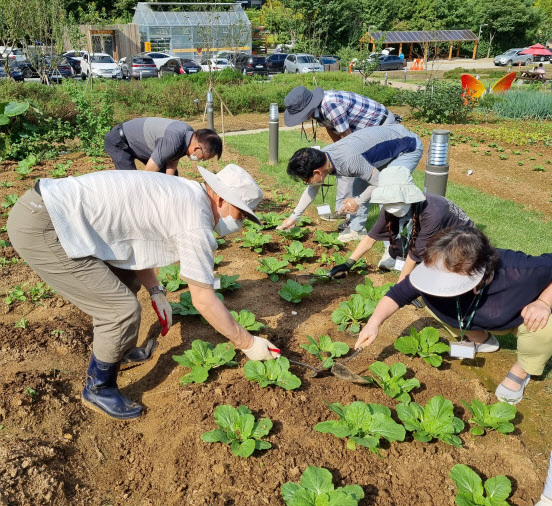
512 57
159 58
275 63
26 68
249 64
58 68
215 64
138 67
15 72
12 54
179 66
301 63
75 63
390 62
75 55
100 65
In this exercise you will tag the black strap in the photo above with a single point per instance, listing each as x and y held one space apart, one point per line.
37 187
384 118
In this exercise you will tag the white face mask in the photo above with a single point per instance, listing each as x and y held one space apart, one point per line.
398 210
316 183
227 226
194 158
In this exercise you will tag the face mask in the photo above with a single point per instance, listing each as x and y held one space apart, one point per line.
194 158
398 210
227 226
316 183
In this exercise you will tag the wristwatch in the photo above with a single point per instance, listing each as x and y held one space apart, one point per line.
157 289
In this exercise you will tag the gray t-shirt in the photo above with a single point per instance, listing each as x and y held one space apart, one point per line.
160 139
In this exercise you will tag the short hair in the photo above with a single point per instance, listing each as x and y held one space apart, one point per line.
304 162
209 140
462 249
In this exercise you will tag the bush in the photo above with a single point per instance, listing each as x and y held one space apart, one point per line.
524 105
439 102
490 73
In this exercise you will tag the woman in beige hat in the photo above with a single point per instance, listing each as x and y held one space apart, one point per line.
408 219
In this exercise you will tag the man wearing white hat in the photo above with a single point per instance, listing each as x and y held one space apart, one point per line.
96 239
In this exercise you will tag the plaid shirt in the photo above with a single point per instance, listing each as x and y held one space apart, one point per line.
342 110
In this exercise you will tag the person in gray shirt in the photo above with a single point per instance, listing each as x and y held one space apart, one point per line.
159 143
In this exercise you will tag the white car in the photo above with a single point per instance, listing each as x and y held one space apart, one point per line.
100 65
159 58
13 55
76 55
301 64
215 64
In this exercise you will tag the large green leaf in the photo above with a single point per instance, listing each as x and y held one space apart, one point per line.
244 449
498 488
407 345
502 412
358 416
198 374
467 480
337 428
215 436
224 353
254 370
289 490
262 428
226 416
245 426
385 426
288 381
317 480
16 108
4 120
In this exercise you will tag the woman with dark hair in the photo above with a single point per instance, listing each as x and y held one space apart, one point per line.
407 221
475 289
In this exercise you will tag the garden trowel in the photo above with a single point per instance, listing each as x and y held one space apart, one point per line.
344 373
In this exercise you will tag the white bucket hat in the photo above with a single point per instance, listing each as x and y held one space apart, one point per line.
395 186
437 280
237 187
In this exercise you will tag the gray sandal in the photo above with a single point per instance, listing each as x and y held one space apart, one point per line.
512 396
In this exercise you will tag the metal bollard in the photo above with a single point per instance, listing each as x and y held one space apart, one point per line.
405 74
385 80
273 134
210 112
437 165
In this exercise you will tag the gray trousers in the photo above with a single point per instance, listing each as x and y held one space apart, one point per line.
106 293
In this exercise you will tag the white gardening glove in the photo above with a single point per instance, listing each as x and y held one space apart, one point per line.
262 349
164 311
289 223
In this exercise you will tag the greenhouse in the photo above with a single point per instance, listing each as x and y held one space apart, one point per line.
192 29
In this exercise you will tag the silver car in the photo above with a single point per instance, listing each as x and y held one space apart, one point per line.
512 57
301 64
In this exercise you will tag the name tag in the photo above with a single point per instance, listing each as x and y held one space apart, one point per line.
216 284
462 350
324 210
399 263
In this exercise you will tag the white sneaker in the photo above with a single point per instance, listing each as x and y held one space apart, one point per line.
489 346
350 235
386 263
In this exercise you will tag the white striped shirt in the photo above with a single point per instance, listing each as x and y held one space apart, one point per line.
134 220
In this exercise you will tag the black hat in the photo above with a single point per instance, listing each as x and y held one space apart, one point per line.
300 104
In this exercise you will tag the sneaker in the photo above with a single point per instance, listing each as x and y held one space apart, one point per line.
342 226
386 263
351 235
489 346
331 217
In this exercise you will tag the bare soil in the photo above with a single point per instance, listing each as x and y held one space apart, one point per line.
54 451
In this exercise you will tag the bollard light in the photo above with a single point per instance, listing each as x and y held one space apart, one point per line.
385 82
437 165
210 111
405 74
273 134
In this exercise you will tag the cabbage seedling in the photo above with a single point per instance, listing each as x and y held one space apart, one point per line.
9 200
294 233
228 283
270 220
362 424
352 312
202 358
327 240
170 277
316 488
240 430
371 292
295 292
271 372
296 252
247 320
254 240
425 344
494 417
325 350
391 380
185 307
471 488
436 420
273 267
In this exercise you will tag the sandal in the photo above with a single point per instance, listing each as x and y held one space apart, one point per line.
512 396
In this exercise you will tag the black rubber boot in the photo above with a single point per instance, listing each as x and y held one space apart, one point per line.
102 394
137 356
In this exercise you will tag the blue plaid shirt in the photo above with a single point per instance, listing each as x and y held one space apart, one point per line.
342 110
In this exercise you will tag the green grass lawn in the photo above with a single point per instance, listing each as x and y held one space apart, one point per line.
506 223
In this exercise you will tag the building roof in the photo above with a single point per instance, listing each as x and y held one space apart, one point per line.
423 36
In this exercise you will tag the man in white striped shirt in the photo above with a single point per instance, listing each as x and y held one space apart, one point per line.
96 239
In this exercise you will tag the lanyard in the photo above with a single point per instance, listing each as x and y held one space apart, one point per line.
477 300
407 242
304 132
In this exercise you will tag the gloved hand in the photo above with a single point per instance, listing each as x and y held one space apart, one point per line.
262 349
350 206
341 270
289 223
164 311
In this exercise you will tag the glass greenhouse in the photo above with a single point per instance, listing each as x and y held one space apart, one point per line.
192 29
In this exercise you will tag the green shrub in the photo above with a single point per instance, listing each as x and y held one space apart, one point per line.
524 105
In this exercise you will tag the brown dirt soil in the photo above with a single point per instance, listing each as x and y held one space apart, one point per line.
55 451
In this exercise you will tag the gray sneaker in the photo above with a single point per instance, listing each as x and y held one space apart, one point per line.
386 263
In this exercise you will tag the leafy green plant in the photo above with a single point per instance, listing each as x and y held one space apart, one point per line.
60 169
424 344
32 393
4 244
220 240
352 312
169 276
57 332
185 306
270 220
228 283
296 252
39 291
371 292
295 292
9 200
316 488
390 379
6 184
16 294
494 417
22 324
217 260
362 424
254 240
294 233
271 372
240 430
8 261
327 240
247 320
273 267
24 167
436 420
471 488
203 357
325 349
